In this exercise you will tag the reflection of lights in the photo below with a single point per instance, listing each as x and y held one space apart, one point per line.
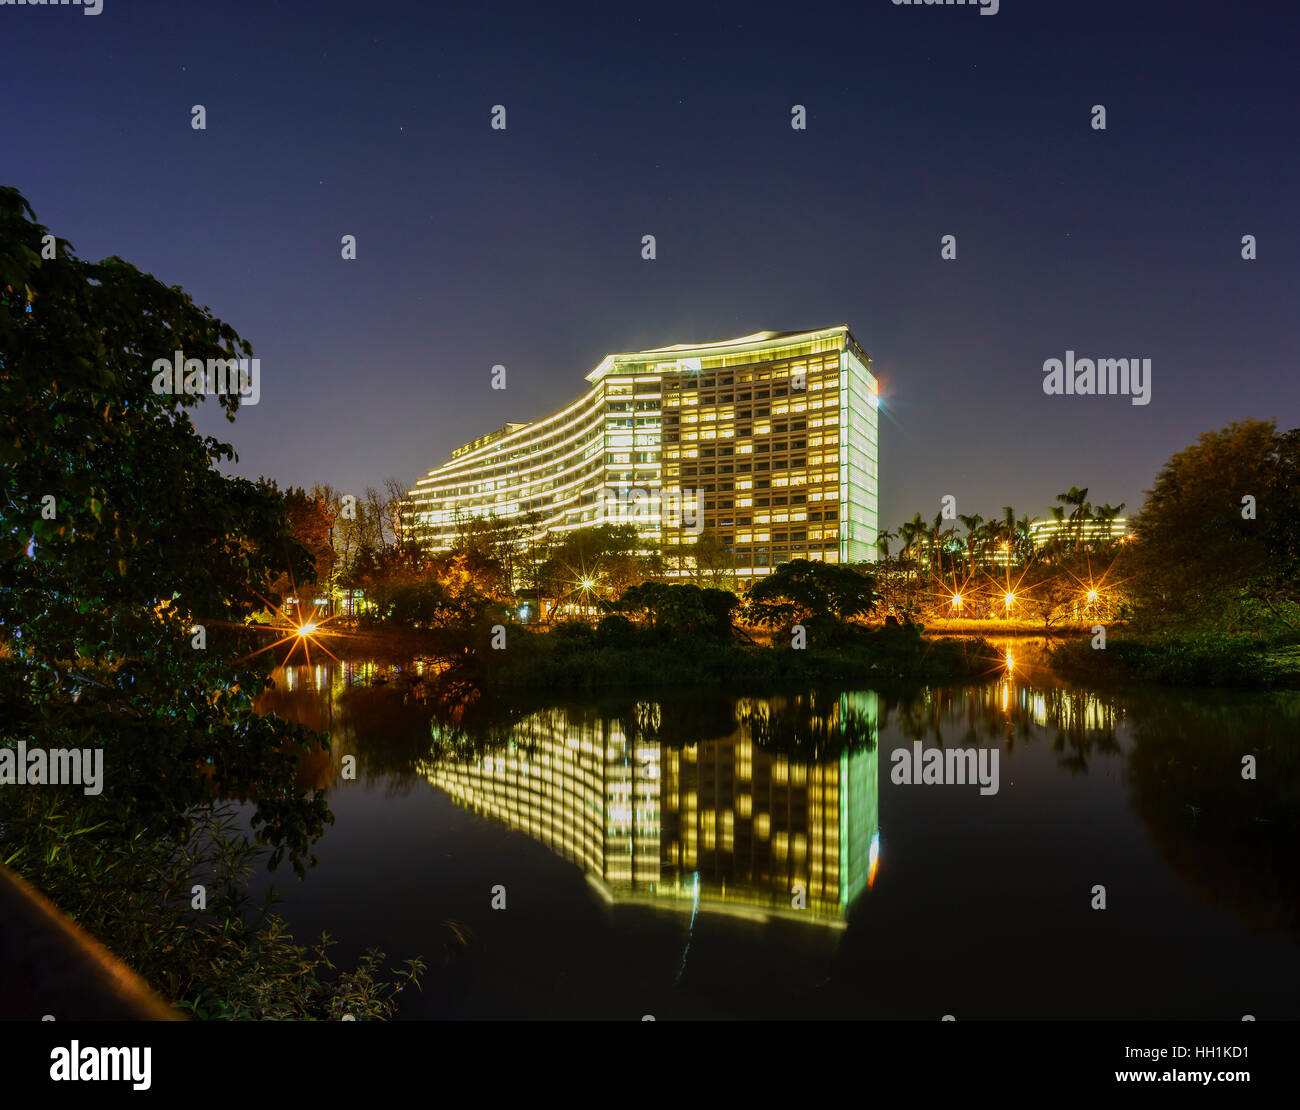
873 857
690 929
1011 663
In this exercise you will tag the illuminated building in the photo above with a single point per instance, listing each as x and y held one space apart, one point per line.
1045 533
721 826
768 441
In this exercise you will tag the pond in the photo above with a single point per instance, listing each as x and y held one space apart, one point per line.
710 854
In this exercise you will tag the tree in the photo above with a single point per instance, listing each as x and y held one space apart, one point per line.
1048 591
396 491
119 536
1078 499
975 540
588 564
802 590
679 607
1107 514
1201 553
1280 519
311 523
715 561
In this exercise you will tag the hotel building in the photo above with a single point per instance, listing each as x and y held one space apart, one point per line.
1044 533
768 441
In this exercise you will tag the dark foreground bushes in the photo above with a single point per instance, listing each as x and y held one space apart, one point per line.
1182 659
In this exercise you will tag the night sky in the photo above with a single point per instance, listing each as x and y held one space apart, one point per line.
523 247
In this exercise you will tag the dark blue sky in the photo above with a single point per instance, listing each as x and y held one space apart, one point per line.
522 247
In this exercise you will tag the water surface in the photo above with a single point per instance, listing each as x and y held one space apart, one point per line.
703 854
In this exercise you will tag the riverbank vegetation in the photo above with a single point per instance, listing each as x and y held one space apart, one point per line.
1214 570
123 554
1201 588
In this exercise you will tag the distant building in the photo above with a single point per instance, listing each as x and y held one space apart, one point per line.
768 441
1044 533
997 555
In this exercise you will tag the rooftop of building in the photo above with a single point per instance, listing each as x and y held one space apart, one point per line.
755 343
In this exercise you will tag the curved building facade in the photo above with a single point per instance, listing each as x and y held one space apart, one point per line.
768 441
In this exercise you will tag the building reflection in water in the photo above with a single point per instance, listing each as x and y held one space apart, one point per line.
722 825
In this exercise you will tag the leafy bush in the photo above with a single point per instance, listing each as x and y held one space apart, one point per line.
227 961
616 630
572 634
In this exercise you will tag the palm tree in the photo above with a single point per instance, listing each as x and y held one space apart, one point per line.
1025 537
912 533
1107 514
1082 511
883 539
935 539
974 538
1005 529
1058 534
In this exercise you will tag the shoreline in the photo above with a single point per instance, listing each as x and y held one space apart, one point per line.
580 657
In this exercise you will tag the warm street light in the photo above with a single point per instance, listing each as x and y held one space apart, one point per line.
1009 599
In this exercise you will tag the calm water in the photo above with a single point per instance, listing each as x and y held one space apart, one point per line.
652 851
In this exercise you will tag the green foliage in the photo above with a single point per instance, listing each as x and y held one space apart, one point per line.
615 630
681 608
423 601
612 556
1199 559
1183 658
567 634
227 961
118 534
146 539
802 590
